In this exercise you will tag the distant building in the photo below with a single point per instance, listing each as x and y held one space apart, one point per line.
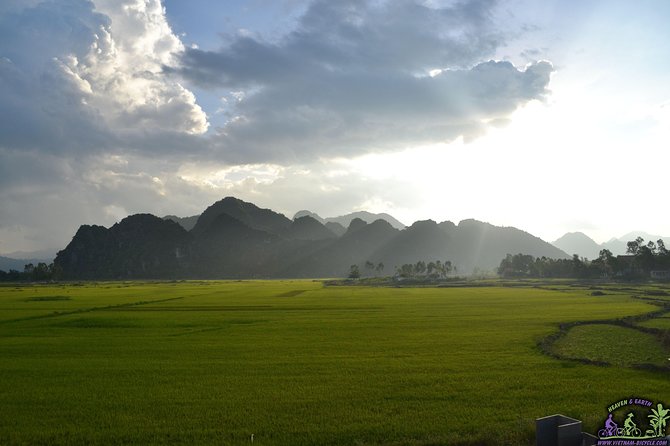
660 274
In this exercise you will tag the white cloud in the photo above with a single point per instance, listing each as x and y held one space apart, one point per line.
123 70
75 76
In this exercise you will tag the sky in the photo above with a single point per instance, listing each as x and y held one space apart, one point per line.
549 116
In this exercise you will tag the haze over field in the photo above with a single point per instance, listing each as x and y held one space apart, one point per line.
551 117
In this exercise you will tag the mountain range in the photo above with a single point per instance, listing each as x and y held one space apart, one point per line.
17 260
345 220
584 246
236 239
11 263
338 225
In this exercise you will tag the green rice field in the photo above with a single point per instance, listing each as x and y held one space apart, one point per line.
301 363
613 344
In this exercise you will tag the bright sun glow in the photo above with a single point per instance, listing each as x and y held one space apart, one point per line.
513 172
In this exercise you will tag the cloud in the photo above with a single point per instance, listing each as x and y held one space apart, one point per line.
121 73
46 197
354 36
39 101
81 82
358 76
326 187
99 118
81 77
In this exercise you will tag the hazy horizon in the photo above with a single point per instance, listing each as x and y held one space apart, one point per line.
550 117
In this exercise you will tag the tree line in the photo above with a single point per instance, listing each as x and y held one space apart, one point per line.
418 270
641 259
650 256
32 273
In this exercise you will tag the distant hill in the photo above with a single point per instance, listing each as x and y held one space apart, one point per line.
237 239
307 228
227 247
469 245
8 263
337 225
139 246
483 245
584 246
185 222
616 246
580 244
356 246
345 220
336 228
305 213
424 240
645 235
43 255
247 213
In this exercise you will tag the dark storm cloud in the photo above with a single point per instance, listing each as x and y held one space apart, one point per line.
354 77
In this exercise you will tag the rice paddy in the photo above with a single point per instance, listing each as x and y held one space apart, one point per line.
300 363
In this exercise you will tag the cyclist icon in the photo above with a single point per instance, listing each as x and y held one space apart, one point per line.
629 427
610 428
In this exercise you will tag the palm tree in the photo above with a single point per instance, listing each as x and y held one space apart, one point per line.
658 417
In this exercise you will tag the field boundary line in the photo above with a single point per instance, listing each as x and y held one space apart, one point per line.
89 310
546 344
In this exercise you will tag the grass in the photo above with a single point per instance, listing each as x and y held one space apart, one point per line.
660 322
613 344
297 363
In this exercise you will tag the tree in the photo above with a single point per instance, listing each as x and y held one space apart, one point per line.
28 269
354 272
41 272
448 267
579 266
430 268
56 271
657 420
406 271
505 269
645 257
369 266
604 264
521 265
633 247
663 256
652 247
605 255
380 267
